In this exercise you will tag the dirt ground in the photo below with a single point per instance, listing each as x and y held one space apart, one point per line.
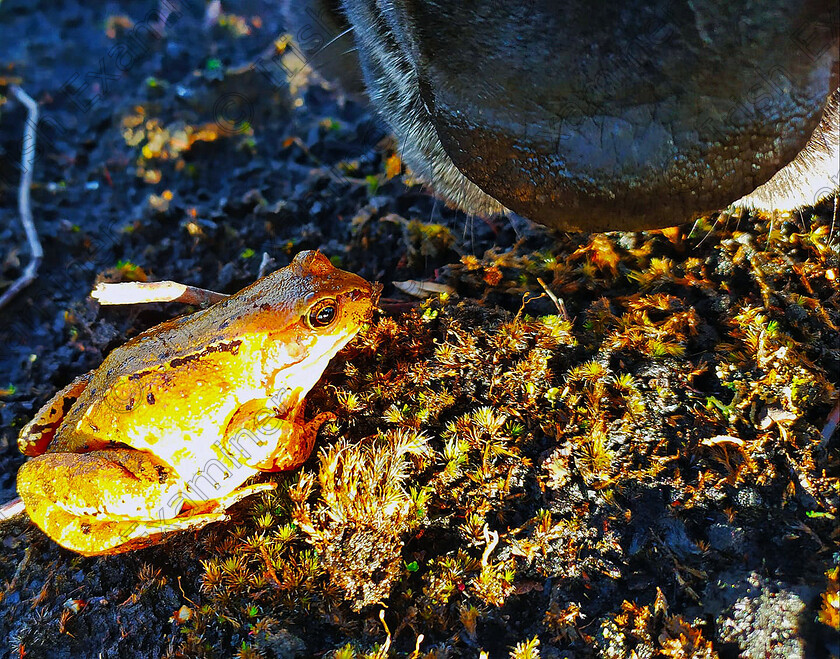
651 469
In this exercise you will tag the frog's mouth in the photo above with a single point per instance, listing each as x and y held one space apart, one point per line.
301 368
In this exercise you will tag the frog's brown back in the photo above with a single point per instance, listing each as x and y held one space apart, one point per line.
271 305
134 382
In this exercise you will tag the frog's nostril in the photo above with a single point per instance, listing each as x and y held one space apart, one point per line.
374 293
359 295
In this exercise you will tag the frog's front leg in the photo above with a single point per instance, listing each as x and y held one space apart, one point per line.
294 453
260 437
110 500
38 433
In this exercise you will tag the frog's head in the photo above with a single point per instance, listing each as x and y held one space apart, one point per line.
332 304
302 314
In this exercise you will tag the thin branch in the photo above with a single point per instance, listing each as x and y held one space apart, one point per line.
265 264
492 539
135 292
423 289
27 159
11 509
558 302
831 424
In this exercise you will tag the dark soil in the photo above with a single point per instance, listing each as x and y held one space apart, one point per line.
190 165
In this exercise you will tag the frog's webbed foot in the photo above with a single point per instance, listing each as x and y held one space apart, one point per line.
38 433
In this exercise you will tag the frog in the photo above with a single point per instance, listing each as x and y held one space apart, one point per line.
164 434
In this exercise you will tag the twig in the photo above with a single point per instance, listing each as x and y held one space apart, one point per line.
558 302
11 509
136 292
265 264
417 643
27 158
492 539
423 289
830 425
185 595
383 651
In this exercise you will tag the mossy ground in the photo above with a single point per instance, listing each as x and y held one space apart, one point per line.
594 445
499 473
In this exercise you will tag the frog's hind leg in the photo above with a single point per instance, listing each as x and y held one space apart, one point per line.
38 433
107 501
223 503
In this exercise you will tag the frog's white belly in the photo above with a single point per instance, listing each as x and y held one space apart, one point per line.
189 435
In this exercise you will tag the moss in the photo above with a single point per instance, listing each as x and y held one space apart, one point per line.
645 630
829 613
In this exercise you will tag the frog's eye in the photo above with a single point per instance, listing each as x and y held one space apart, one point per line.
323 314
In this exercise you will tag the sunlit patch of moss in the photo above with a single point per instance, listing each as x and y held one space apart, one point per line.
639 328
766 366
562 623
494 582
526 649
600 254
362 511
124 271
159 143
650 631
830 609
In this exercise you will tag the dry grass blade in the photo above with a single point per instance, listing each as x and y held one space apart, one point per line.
140 292
27 159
